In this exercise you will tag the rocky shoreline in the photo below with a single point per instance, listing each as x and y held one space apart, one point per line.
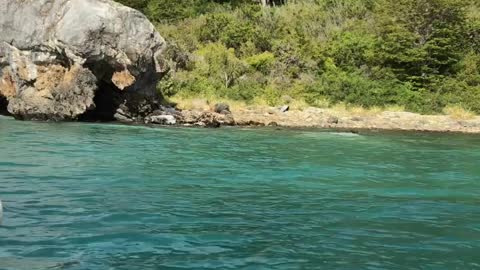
221 115
311 118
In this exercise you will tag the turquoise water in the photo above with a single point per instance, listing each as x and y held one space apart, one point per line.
91 196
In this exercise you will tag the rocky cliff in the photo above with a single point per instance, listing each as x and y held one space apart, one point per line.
77 60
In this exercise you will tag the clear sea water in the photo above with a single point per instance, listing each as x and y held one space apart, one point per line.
97 196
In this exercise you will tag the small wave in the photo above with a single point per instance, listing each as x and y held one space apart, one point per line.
323 134
345 134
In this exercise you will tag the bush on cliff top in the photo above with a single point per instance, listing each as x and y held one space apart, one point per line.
419 54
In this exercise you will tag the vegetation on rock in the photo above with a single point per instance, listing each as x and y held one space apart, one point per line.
423 55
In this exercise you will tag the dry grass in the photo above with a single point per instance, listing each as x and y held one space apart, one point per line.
340 109
352 110
362 111
260 105
298 105
191 103
458 112
207 103
322 103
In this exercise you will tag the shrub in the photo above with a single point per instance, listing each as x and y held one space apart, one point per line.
262 62
421 55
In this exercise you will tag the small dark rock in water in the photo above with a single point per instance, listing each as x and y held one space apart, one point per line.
332 120
273 124
285 108
222 108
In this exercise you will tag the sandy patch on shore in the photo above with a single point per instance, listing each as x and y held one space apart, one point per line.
330 118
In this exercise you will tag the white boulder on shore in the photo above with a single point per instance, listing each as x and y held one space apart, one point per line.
66 59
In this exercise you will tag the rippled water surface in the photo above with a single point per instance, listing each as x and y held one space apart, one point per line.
88 196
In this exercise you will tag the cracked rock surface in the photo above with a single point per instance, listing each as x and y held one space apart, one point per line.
77 59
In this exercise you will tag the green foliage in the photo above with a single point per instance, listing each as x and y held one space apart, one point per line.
419 54
354 87
262 62
351 49
421 39
215 26
220 64
217 72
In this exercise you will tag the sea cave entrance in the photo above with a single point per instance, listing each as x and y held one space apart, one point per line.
108 97
107 100
3 106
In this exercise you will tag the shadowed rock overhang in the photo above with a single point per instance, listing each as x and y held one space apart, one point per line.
77 60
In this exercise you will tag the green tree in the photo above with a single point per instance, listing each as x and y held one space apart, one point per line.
421 40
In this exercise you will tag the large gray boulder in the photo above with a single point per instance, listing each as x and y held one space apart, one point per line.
77 59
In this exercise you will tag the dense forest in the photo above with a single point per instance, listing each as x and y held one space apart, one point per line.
422 55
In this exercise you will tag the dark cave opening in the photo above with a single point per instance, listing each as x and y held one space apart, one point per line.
3 106
107 97
107 100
